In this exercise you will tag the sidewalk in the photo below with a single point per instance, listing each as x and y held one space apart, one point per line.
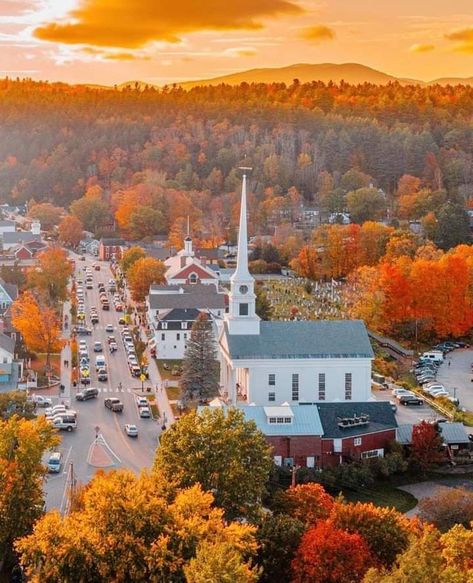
66 355
161 395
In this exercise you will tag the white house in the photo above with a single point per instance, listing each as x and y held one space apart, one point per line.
185 268
7 226
171 311
9 369
295 361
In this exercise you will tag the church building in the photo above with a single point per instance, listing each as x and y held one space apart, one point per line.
295 362
185 268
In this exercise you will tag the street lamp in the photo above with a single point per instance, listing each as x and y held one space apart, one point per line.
142 376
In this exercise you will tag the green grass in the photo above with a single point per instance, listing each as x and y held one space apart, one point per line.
465 417
173 393
167 373
382 496
154 410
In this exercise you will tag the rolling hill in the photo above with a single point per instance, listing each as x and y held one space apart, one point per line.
352 73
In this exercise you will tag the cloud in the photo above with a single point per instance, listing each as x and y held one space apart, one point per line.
421 48
317 33
131 25
126 57
464 38
241 52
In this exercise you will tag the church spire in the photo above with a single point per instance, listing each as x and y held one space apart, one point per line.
241 271
241 317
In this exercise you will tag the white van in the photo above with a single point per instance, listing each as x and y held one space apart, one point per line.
433 355
100 362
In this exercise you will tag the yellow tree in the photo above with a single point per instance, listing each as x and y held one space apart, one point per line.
51 275
22 445
39 325
142 274
129 528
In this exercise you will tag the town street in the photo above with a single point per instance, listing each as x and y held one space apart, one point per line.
93 418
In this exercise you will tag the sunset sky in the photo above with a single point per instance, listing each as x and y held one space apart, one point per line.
163 41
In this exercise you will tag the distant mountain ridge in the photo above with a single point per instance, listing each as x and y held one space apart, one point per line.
353 73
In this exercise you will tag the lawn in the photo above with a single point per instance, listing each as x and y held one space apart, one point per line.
382 496
166 373
173 393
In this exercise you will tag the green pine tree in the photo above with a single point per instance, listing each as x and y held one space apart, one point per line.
200 376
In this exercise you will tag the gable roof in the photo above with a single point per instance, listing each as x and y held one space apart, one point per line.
302 339
10 288
112 242
381 418
7 343
181 315
19 237
7 223
305 420
198 296
453 433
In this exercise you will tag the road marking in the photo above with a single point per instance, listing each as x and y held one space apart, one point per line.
103 440
66 460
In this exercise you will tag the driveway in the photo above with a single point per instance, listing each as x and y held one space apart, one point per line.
457 376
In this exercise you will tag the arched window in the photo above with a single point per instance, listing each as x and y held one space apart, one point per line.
193 278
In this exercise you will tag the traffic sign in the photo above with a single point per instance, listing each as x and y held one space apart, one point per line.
142 377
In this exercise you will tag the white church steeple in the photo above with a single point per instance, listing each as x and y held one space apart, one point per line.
242 318
188 251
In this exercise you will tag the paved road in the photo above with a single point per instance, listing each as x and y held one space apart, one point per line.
131 453
408 415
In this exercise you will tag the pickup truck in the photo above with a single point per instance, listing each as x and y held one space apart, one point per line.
114 404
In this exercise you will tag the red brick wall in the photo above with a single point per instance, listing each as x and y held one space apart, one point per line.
297 447
349 452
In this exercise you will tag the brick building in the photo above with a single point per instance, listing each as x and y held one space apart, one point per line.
324 434
111 248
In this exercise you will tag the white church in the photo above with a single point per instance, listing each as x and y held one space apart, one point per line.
295 362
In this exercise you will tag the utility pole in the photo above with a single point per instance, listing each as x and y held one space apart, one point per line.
71 488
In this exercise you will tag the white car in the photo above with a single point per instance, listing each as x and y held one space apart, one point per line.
399 392
433 387
131 430
109 328
145 412
41 401
142 402
439 393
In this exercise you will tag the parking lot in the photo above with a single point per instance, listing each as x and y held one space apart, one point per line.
411 414
457 376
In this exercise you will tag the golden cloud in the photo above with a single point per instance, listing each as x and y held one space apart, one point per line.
131 25
126 57
421 48
462 34
464 38
317 33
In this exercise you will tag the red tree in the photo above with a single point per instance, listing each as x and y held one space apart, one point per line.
331 555
426 445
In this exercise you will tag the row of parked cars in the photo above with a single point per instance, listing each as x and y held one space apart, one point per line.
426 369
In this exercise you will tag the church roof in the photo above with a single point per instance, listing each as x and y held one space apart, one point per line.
302 339
198 296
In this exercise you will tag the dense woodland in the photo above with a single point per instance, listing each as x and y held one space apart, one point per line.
182 148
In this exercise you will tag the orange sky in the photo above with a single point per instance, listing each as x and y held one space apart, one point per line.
160 41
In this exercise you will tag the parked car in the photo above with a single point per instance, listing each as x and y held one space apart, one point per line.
86 394
98 346
41 401
399 391
114 404
131 430
55 462
109 328
145 412
66 422
407 400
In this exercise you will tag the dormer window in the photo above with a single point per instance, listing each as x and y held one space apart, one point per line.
193 278
164 325
184 325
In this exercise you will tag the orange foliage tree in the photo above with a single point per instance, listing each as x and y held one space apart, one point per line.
307 503
142 274
51 275
386 531
331 555
71 231
38 324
